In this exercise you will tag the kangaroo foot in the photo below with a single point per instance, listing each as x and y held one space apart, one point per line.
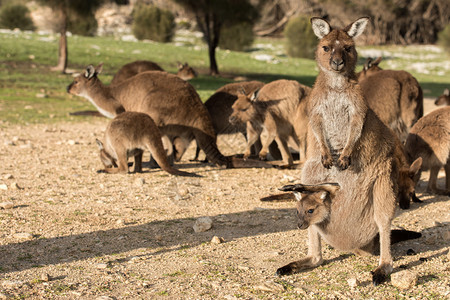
380 274
343 162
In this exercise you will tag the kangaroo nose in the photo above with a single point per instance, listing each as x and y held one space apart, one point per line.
337 64
232 119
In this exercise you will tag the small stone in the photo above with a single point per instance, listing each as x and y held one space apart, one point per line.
41 95
4 296
15 186
45 277
120 222
31 56
404 280
23 236
243 268
217 240
12 284
270 286
139 182
6 205
202 224
183 192
8 176
446 235
353 282
101 266
3 187
72 142
104 298
410 252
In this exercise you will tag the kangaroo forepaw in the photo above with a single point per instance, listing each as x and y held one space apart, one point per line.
263 156
286 270
327 161
343 162
378 276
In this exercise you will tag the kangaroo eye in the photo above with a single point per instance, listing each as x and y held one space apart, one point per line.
326 49
348 49
310 211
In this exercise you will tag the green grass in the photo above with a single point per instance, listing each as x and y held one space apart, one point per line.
27 58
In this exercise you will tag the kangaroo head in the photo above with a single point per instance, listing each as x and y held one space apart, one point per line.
82 82
244 108
186 72
408 178
107 160
314 202
336 49
443 99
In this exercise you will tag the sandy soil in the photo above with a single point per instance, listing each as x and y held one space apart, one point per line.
72 233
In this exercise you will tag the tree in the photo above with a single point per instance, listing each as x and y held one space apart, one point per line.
211 15
64 9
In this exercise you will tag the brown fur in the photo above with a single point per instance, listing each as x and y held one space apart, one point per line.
348 135
411 94
172 103
321 209
128 134
430 139
443 99
273 108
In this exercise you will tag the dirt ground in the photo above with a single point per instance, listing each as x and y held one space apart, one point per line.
73 233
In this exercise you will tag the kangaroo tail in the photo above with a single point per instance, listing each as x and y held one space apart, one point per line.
279 197
403 235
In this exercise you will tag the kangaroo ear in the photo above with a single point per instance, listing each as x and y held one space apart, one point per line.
324 196
415 167
242 91
298 196
377 61
446 92
368 64
90 72
357 28
99 144
254 96
179 65
99 69
320 27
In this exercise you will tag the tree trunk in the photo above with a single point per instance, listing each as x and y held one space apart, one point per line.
213 69
62 52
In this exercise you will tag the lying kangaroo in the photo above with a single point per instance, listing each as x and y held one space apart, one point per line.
339 219
430 139
128 134
273 108
411 94
185 72
349 144
443 99
171 102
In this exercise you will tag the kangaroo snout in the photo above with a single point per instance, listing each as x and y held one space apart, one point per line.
68 88
232 119
337 64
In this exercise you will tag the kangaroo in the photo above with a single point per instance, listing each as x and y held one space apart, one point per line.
128 134
411 94
185 72
340 220
171 102
443 99
349 144
273 108
429 139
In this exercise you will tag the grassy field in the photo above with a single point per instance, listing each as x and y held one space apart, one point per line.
31 93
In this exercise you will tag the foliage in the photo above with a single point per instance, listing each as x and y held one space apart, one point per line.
16 16
153 23
300 38
237 36
444 38
85 25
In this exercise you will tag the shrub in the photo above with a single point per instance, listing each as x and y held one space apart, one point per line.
16 16
151 22
85 25
236 37
301 41
444 38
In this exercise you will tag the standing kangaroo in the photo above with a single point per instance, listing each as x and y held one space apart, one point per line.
430 139
349 145
128 134
273 108
171 102
131 69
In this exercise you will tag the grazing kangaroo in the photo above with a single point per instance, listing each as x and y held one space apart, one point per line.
443 99
171 102
429 139
273 108
349 144
185 72
341 220
128 134
411 94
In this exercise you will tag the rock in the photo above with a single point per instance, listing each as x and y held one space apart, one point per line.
6 205
12 284
104 298
15 186
41 95
183 192
217 240
8 176
23 235
404 280
101 266
45 277
3 187
139 182
4 296
202 224
446 235
72 142
353 282
270 286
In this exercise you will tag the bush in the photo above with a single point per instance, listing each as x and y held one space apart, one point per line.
153 23
301 41
444 38
16 16
236 37
85 25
